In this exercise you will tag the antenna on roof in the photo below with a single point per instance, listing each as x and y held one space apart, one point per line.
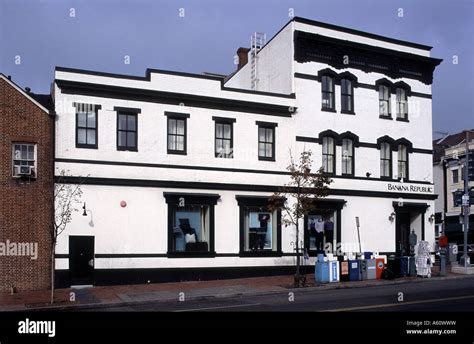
257 41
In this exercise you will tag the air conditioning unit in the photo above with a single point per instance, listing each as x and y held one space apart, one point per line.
25 171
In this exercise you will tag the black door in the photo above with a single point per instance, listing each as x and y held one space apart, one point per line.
81 259
402 233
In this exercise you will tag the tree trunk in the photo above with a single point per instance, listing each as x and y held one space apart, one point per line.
53 246
297 273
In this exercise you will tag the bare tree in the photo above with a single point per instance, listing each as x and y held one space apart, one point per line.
303 188
66 200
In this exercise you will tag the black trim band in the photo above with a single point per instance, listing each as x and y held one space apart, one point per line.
127 109
173 98
229 187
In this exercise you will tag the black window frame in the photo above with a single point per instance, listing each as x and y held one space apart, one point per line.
331 93
95 109
352 159
389 159
350 111
455 176
224 121
327 154
177 117
260 203
388 101
405 178
173 200
127 147
401 117
266 126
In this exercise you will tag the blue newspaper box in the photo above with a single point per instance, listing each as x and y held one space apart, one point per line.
321 272
354 270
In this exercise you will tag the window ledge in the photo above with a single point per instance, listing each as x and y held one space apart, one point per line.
191 254
264 253
386 117
127 149
328 110
347 112
86 146
265 159
176 152
401 119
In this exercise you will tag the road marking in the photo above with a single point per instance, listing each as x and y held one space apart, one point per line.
397 304
217 307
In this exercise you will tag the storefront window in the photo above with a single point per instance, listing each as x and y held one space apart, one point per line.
321 231
259 230
191 229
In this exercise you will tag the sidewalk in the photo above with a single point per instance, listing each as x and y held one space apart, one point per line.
106 296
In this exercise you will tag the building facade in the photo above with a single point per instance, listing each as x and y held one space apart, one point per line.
26 184
177 169
448 166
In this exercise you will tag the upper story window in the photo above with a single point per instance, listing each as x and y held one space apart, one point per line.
347 157
347 96
402 162
176 133
329 152
266 140
384 101
24 160
402 104
224 137
86 125
127 137
455 176
327 89
385 160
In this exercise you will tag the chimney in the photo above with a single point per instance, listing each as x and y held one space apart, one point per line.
9 77
28 90
242 53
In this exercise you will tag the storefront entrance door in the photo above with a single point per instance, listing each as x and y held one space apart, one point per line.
402 233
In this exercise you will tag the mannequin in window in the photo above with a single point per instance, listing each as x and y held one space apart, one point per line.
319 227
262 233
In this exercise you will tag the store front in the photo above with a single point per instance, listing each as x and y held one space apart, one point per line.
409 217
322 226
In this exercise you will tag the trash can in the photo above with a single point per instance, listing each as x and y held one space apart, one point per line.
344 270
393 266
333 271
321 272
354 270
379 266
412 266
442 262
404 266
369 271
452 256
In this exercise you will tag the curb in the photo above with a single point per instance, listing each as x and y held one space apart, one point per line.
320 287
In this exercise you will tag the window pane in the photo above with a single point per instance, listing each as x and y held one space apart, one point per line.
227 131
122 125
227 147
90 136
219 130
180 143
180 127
81 119
91 120
131 137
122 138
268 150
261 149
259 231
330 161
132 123
261 134
269 135
219 145
171 142
31 152
171 126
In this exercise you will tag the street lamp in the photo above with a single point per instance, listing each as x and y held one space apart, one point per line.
465 201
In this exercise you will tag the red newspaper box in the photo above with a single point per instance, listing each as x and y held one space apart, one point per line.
379 265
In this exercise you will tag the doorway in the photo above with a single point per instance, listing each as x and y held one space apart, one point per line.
81 260
402 233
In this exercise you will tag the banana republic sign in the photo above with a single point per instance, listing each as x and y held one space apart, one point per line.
409 188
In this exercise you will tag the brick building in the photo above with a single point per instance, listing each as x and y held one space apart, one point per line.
26 177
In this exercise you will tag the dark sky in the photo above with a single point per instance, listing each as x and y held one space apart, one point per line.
152 32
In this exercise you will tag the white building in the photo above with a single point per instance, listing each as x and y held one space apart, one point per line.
164 201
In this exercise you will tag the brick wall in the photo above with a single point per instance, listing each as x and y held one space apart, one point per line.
25 205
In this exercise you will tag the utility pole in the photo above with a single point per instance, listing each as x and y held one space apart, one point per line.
465 201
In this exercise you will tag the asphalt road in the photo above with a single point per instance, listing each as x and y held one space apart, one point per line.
426 296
